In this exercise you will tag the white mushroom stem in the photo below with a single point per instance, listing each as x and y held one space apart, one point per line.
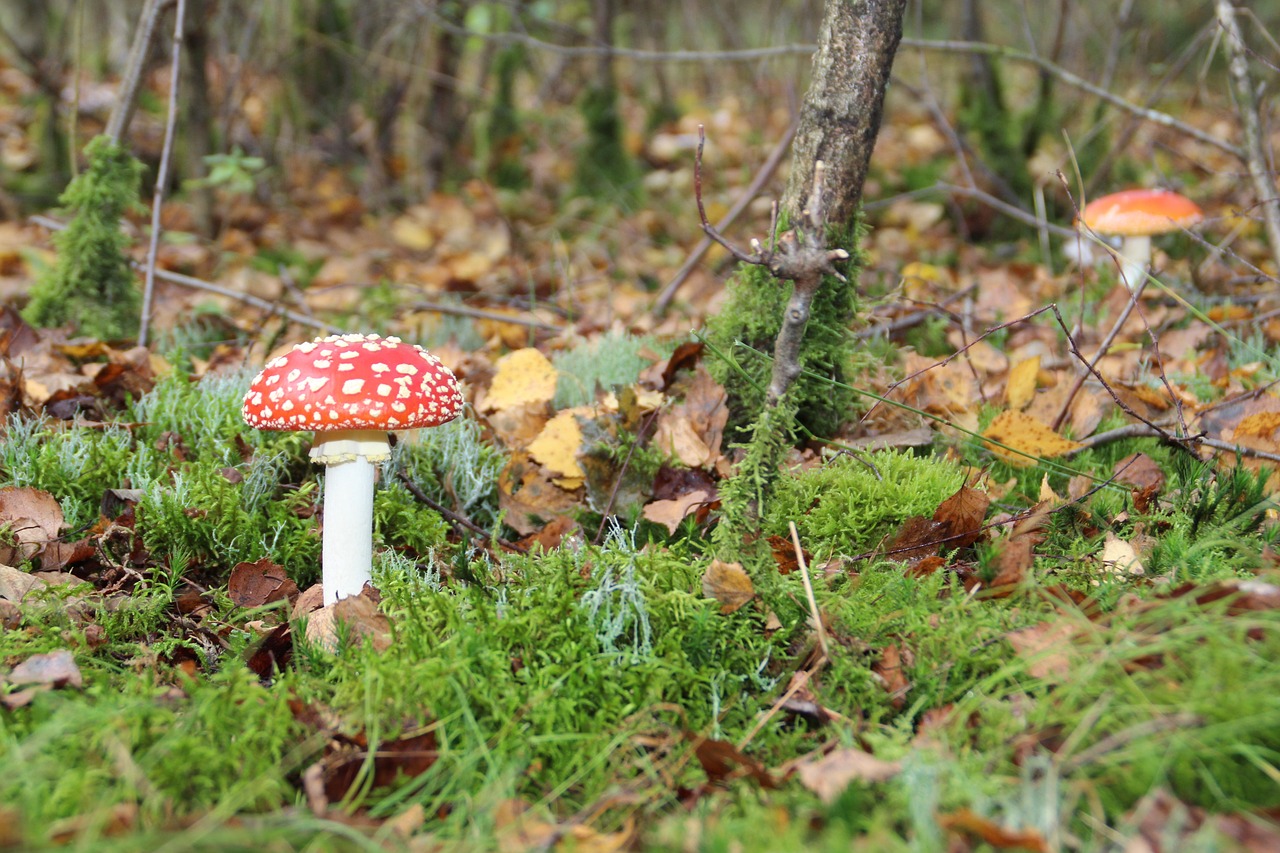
350 459
1135 257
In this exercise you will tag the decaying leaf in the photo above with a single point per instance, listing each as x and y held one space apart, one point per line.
259 583
722 761
1023 440
1021 385
524 377
34 519
671 513
728 584
961 517
1119 557
1047 647
889 669
56 669
556 448
985 829
829 775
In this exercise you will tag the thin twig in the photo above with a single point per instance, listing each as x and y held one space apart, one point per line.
808 591
1077 82
459 520
131 82
482 314
1247 107
198 284
162 175
748 195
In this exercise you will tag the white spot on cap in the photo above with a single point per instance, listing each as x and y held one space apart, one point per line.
407 369
293 375
346 368
315 383
384 390
380 368
353 386
350 354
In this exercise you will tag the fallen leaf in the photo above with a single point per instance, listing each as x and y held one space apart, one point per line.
523 377
1023 440
56 668
1119 557
728 584
829 775
556 447
961 517
259 583
1140 471
721 761
33 517
1020 388
1046 647
889 668
671 513
1002 838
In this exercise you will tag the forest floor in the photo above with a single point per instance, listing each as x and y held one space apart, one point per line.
1008 610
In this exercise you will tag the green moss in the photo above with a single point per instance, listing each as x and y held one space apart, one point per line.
91 288
843 507
743 334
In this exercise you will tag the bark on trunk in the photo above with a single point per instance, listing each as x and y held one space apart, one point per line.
841 113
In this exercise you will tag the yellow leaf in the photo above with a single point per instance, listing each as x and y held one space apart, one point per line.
1021 386
524 376
412 234
556 447
1024 440
728 584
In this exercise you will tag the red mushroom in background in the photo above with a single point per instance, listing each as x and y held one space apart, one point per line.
1137 215
351 390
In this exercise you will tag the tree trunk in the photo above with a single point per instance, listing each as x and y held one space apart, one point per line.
841 113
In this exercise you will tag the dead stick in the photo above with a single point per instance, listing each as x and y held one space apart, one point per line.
454 517
162 175
757 184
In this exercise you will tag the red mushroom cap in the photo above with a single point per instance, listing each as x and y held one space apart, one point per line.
352 382
1140 213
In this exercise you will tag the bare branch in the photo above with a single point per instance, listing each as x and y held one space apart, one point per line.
162 176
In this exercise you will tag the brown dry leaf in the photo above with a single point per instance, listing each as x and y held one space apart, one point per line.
259 583
917 539
1017 554
1120 558
518 426
361 618
728 584
523 377
1047 647
1140 471
15 584
721 761
1021 385
550 536
671 513
56 669
829 775
961 517
556 448
943 389
1025 440
677 437
528 495
33 517
890 666
1047 494
1002 838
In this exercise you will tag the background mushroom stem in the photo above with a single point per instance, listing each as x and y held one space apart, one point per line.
1135 257
348 528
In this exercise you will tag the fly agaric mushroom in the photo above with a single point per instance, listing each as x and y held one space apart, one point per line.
1135 216
352 390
